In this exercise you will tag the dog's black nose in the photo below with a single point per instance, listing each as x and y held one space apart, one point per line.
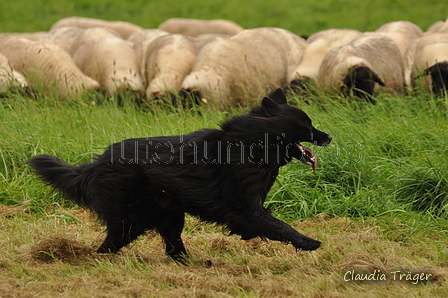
327 142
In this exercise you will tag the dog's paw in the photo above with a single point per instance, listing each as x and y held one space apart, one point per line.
308 244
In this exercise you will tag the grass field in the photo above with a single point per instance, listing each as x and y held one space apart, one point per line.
378 201
304 17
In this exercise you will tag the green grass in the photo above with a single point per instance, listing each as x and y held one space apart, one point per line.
385 158
304 17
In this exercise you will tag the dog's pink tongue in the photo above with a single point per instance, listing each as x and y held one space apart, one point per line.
309 157
312 156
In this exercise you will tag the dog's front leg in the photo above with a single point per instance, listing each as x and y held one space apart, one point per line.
260 223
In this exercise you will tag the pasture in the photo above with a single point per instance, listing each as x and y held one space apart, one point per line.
378 201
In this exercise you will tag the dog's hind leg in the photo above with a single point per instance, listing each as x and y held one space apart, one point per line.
261 223
170 228
119 234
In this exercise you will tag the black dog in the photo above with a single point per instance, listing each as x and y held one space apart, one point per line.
220 175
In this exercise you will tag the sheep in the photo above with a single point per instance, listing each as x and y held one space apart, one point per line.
444 27
139 41
64 37
165 58
111 74
5 37
9 78
319 44
202 39
359 64
195 27
438 26
144 35
169 58
125 29
429 58
404 33
48 66
103 55
244 66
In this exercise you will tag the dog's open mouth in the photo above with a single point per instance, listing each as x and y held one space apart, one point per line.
308 156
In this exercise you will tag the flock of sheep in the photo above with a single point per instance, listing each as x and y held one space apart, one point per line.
220 61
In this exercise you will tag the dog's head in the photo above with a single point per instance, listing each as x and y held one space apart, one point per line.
294 124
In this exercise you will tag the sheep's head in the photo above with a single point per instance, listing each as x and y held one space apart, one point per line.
361 80
300 85
439 76
191 96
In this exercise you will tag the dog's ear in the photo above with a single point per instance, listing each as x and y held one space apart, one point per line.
278 96
269 107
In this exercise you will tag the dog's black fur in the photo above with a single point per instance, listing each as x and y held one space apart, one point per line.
220 175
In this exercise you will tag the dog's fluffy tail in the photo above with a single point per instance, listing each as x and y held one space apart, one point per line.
60 175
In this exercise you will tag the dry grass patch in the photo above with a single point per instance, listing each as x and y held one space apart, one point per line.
57 248
55 255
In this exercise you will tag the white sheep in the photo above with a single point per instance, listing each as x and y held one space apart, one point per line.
444 27
5 37
404 33
144 35
438 26
244 66
125 29
194 27
319 44
429 58
359 64
203 39
47 67
165 58
106 57
169 58
9 78
139 41
64 37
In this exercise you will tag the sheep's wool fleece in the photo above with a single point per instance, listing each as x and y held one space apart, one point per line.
45 64
430 49
245 66
319 44
375 51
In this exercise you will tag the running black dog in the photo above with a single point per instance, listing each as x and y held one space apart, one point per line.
220 175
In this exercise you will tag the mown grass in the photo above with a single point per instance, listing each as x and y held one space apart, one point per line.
377 202
50 256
